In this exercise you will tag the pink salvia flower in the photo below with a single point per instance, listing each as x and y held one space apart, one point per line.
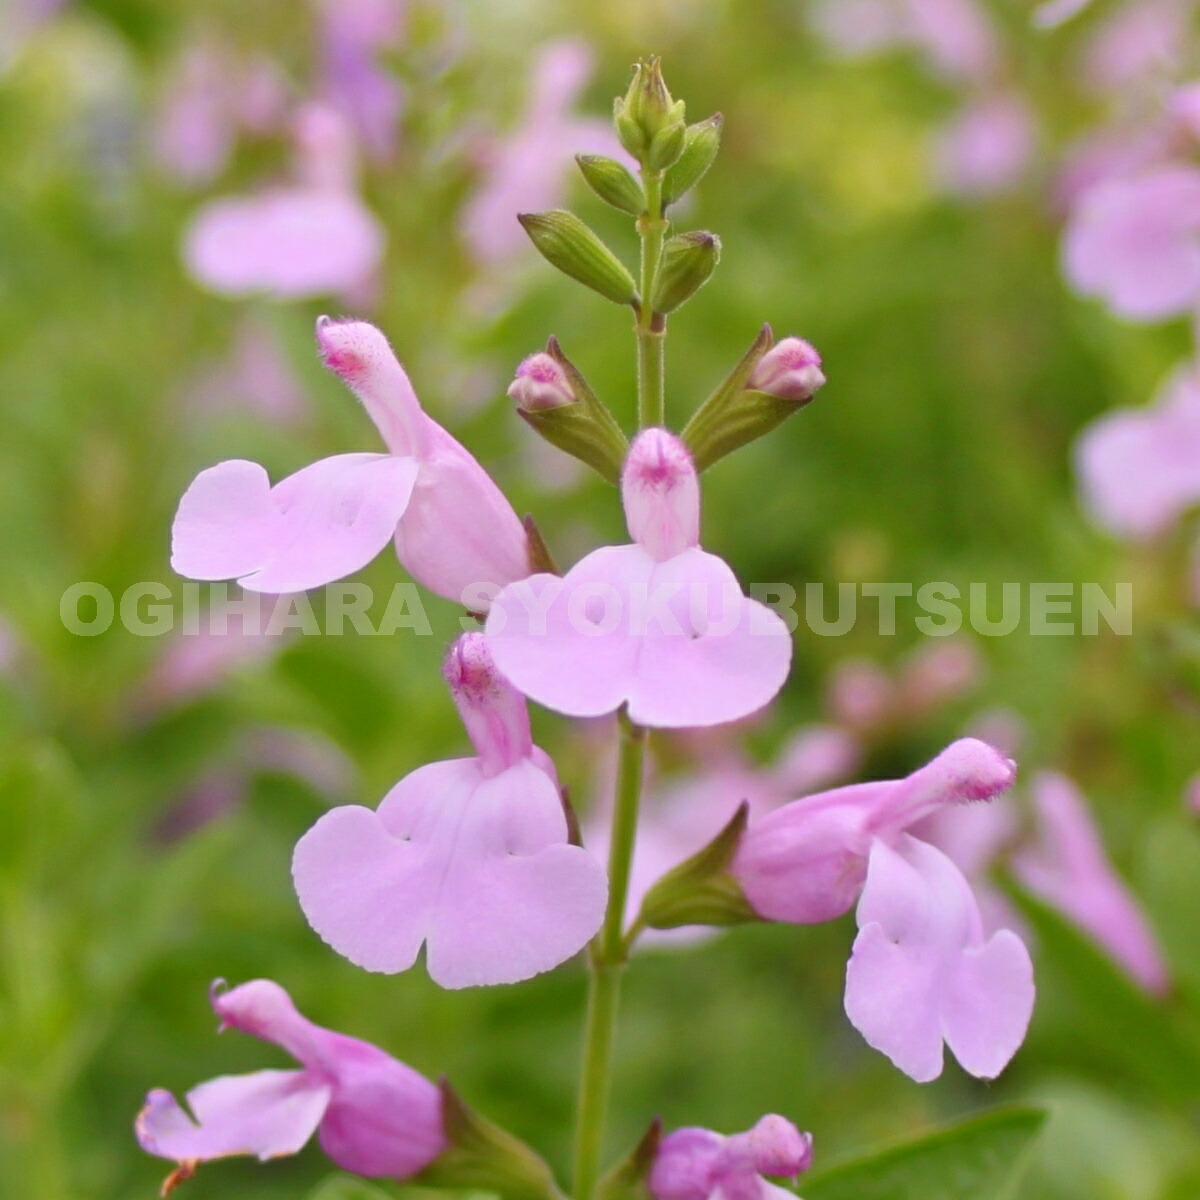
469 857
806 862
540 382
1069 869
1139 469
374 1116
922 972
1141 45
698 1164
791 370
659 625
452 527
1135 243
987 147
312 238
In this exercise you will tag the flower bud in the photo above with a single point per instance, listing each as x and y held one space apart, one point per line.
567 243
554 398
541 383
700 145
790 370
761 392
688 261
701 891
612 183
645 114
661 495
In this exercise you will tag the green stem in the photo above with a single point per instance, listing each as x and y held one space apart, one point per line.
607 961
651 326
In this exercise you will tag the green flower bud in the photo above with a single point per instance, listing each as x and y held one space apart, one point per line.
666 147
644 113
612 183
700 145
688 260
628 1180
568 244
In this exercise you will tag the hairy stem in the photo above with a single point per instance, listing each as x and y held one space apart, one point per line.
651 326
607 961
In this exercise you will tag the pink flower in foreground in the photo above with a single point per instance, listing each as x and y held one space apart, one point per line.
312 238
526 172
1135 243
1069 869
469 857
452 527
1139 469
659 625
374 1116
987 147
697 1164
922 971
806 862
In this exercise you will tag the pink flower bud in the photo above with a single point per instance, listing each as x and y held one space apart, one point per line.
791 370
661 494
492 710
541 383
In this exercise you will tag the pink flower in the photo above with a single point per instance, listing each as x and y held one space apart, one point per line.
1056 12
659 625
987 147
526 172
697 1164
540 382
1139 469
469 857
1069 869
922 971
452 527
791 370
1142 44
312 238
1135 243
374 1116
805 862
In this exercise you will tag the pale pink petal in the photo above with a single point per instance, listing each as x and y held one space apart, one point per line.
730 659
478 868
291 243
325 521
265 1114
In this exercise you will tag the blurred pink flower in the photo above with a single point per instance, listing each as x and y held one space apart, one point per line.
469 857
311 238
256 376
1142 44
19 21
659 625
373 1115
526 172
1069 869
1135 243
697 1164
1056 12
1139 469
987 147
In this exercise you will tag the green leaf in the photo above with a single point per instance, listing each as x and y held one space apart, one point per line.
1109 1011
347 1187
979 1159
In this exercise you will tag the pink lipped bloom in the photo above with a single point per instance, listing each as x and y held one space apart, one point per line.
1069 869
373 1115
314 237
659 625
922 970
452 527
470 857
1139 469
698 1164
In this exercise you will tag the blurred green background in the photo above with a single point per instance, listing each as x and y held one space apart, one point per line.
960 370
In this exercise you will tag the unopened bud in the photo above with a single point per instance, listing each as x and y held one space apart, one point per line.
700 145
555 400
612 183
568 244
645 113
688 260
791 370
541 382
